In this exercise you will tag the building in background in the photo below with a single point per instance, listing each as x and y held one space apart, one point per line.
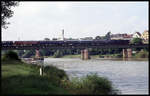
128 37
137 35
145 36
121 36
116 36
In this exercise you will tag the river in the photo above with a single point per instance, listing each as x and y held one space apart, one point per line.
130 77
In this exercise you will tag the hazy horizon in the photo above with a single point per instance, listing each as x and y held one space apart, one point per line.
39 20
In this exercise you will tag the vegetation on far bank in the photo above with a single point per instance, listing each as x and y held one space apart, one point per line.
94 53
9 55
22 78
142 54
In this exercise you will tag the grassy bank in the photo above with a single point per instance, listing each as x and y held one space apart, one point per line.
65 56
76 56
72 56
92 56
141 54
22 78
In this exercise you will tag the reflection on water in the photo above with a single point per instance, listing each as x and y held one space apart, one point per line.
130 76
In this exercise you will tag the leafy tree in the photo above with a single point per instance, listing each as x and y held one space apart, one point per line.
20 52
136 41
107 36
142 54
110 51
98 38
58 54
29 53
6 11
10 55
46 39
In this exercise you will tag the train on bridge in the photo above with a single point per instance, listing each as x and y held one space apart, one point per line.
66 43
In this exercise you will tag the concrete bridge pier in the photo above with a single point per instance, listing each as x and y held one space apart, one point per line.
124 52
37 54
127 53
85 54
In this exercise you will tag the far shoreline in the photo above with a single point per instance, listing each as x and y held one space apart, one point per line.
105 58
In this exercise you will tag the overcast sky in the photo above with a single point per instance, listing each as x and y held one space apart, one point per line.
38 20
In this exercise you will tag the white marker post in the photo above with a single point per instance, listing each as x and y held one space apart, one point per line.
41 73
41 68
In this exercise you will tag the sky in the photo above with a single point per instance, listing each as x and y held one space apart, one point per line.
39 20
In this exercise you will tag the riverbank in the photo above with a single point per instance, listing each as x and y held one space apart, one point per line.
73 56
21 78
65 56
113 57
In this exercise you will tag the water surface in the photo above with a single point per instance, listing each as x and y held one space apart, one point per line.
130 77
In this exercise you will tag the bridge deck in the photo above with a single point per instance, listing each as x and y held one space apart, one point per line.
72 47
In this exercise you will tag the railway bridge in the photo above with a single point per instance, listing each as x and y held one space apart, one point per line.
83 45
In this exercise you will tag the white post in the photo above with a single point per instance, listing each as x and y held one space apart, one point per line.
41 73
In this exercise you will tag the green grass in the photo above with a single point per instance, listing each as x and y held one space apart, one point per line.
16 68
111 55
142 54
72 56
30 84
66 56
92 84
75 56
94 56
21 78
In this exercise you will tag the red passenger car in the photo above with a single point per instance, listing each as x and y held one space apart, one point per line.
25 43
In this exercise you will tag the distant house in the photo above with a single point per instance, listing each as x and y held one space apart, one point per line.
128 37
121 36
137 35
117 36
145 35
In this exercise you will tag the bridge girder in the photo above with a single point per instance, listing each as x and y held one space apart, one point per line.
71 47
